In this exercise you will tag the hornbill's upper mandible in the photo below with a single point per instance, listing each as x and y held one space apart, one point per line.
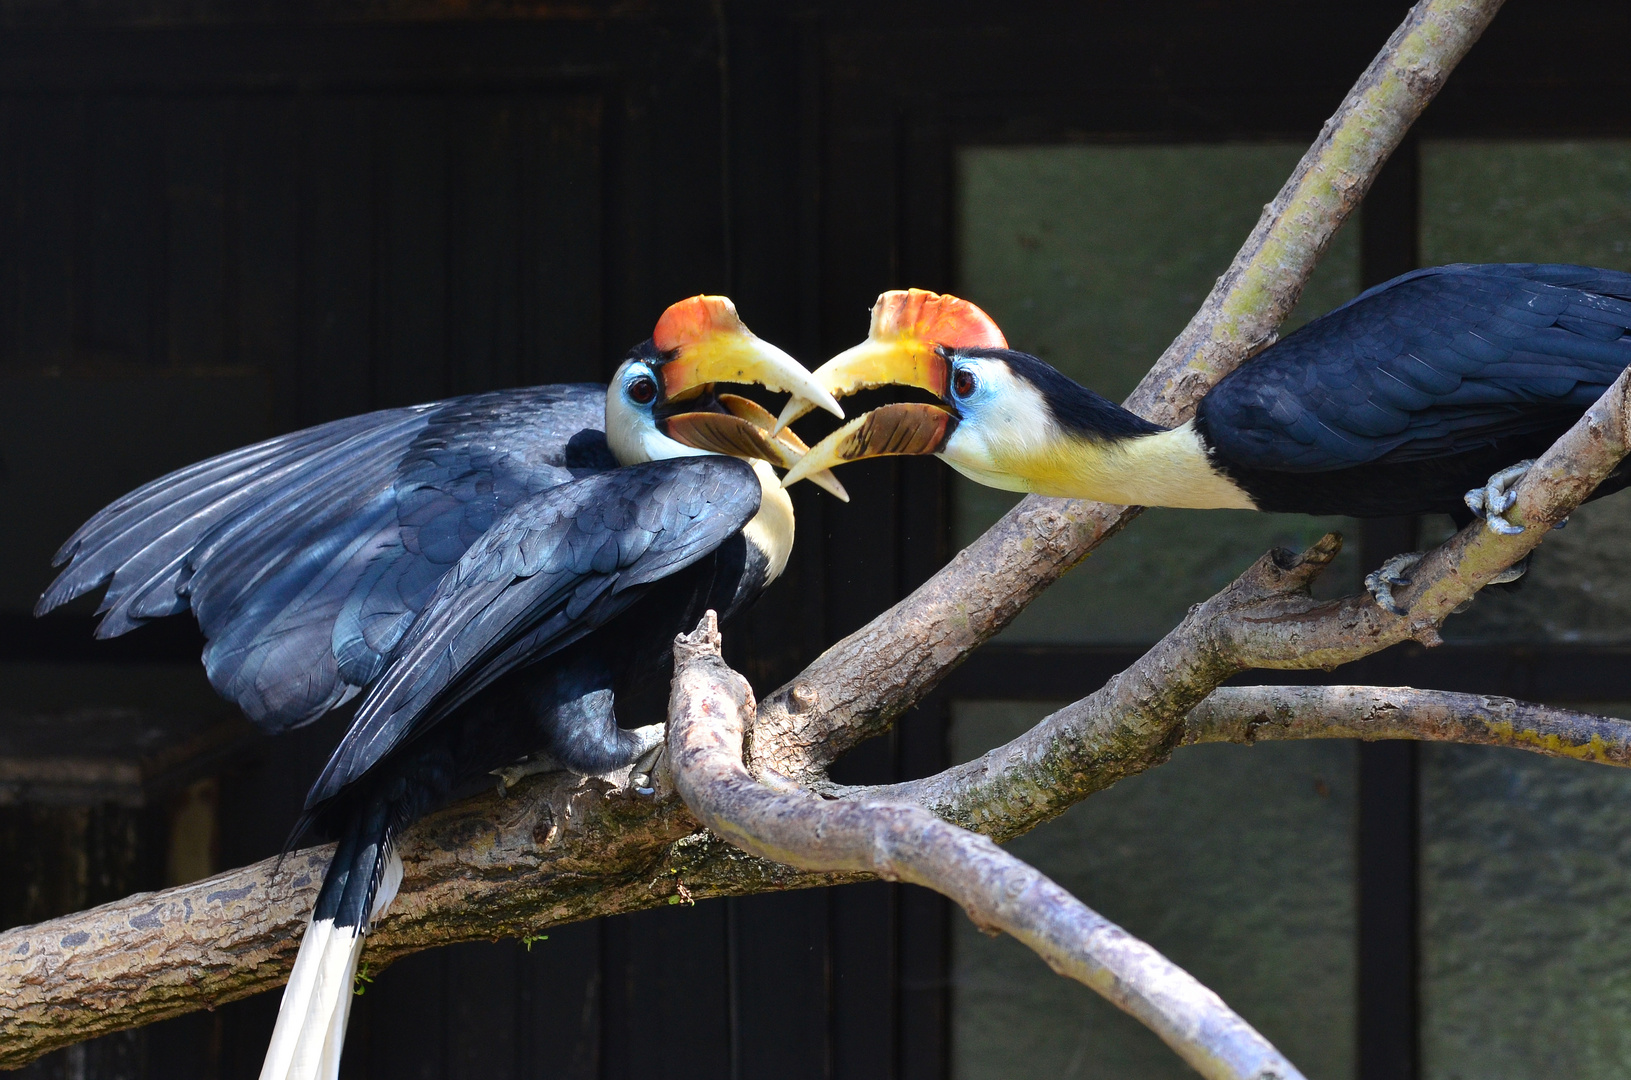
482 566
1397 402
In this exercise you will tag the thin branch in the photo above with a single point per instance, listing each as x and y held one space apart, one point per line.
1265 619
1252 714
900 842
859 686
1130 724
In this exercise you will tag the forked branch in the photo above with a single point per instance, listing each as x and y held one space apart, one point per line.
899 842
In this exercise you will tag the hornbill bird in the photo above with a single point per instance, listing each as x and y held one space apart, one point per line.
1429 393
493 569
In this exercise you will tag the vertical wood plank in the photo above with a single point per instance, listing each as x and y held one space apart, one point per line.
485 244
1389 815
562 275
264 249
780 989
410 358
337 259
482 1005
560 1005
121 253
403 1021
11 268
197 149
43 155
667 995
864 1005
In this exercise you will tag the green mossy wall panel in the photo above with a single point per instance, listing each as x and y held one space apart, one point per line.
1094 258
1541 202
1526 890
1236 862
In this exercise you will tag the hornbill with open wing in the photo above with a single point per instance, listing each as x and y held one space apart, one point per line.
1398 402
493 569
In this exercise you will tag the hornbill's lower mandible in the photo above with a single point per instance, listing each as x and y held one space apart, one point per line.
1397 402
482 566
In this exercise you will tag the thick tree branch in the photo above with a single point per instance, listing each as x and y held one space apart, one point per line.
900 842
1251 714
858 687
556 849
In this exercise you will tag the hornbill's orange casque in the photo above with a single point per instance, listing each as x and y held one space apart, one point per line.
1397 402
493 569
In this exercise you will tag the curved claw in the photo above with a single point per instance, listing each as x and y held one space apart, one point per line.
1498 495
1395 573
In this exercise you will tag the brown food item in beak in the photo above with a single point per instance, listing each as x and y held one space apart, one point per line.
748 437
906 429
909 329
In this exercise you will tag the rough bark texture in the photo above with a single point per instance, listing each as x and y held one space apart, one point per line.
556 849
560 849
900 842
857 687
1249 714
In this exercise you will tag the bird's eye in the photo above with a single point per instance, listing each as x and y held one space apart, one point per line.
643 390
964 382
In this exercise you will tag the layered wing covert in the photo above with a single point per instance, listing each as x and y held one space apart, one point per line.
1434 362
557 567
305 558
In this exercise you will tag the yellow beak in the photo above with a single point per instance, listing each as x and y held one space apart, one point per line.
708 343
902 361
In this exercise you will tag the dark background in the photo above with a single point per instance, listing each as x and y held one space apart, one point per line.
222 221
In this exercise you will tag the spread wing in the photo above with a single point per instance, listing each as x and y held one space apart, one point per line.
1438 361
305 558
555 568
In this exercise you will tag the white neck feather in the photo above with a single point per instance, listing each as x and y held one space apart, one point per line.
771 530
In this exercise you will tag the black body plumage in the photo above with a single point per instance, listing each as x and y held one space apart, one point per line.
482 565
1405 397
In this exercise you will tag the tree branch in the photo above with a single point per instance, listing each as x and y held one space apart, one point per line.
1252 714
1265 619
556 849
859 686
900 842
490 867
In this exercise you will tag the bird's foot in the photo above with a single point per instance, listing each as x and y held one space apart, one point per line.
511 775
1496 497
643 772
1394 574
1513 572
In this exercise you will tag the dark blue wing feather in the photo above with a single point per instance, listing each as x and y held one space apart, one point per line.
1437 361
558 566
306 558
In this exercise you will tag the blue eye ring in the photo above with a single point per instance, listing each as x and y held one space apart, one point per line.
964 382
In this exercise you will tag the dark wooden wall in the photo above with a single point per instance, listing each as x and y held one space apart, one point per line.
218 221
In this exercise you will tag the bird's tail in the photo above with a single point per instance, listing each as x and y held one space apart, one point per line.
360 884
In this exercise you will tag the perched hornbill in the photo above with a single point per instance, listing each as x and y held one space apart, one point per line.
493 568
1397 402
